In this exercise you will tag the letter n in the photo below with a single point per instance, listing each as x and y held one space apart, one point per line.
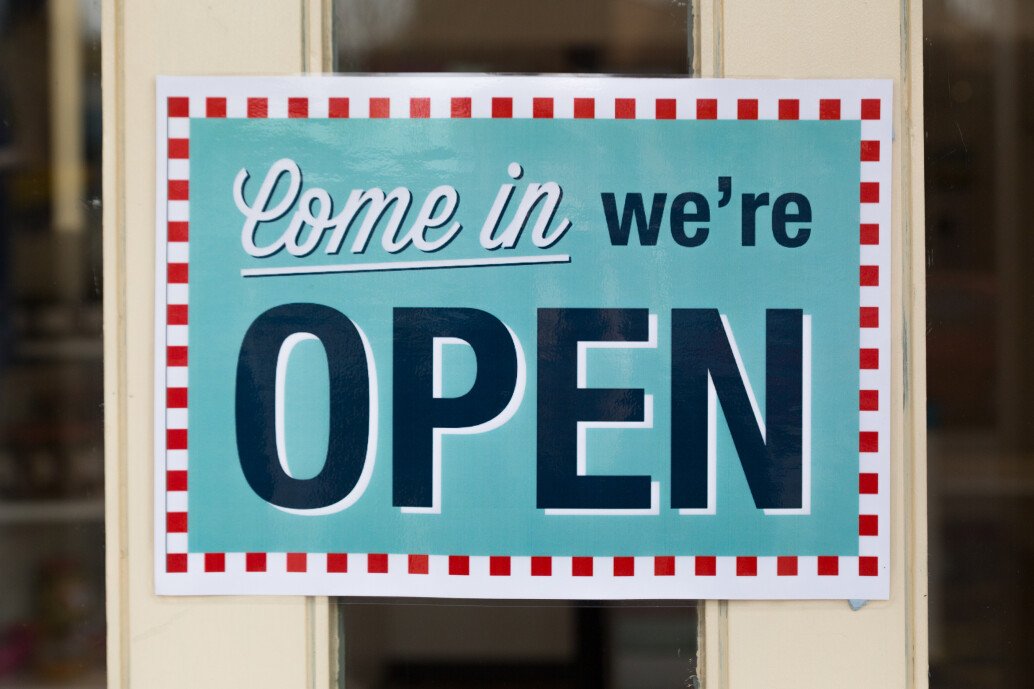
706 367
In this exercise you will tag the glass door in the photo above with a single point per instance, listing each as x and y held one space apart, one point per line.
288 641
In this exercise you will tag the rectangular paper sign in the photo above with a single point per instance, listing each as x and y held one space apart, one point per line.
523 337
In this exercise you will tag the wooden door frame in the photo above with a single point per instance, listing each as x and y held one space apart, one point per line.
271 642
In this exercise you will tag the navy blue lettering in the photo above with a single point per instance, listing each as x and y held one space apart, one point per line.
417 412
773 463
255 406
780 217
619 233
562 404
679 218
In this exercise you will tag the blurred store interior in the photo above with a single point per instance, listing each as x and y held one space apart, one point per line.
51 368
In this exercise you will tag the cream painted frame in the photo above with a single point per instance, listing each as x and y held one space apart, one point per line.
818 643
181 642
287 642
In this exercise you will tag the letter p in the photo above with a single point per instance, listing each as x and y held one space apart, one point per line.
420 417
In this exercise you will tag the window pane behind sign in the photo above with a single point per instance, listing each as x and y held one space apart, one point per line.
542 645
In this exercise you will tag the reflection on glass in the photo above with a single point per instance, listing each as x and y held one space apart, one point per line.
468 645
51 378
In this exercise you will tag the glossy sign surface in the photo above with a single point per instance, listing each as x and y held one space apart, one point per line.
523 337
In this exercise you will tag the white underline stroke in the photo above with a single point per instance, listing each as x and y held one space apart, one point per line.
407 265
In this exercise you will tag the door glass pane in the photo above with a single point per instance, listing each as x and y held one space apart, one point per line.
979 105
51 376
601 36
468 644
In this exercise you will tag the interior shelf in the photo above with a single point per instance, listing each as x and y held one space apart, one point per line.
94 680
61 349
51 511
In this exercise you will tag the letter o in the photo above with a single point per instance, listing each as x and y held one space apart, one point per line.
346 469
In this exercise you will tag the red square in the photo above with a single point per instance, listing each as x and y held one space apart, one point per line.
298 107
786 566
869 316
215 562
176 439
868 566
179 107
541 566
380 107
581 566
502 107
624 566
707 109
789 109
664 566
215 107
179 148
377 563
254 562
829 566
296 562
829 109
868 441
624 108
665 109
176 522
418 564
868 484
870 233
868 525
178 273
869 359
461 107
499 566
176 562
747 109
746 566
705 566
870 192
338 107
542 108
176 356
176 398
175 480
869 276
179 231
337 563
459 565
179 189
584 108
870 108
870 151
176 314
258 107
868 400
419 107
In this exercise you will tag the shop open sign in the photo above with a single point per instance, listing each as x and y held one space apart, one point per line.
523 337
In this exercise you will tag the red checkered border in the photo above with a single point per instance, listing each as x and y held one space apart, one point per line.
874 354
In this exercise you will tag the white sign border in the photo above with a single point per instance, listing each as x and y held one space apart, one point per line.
665 576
